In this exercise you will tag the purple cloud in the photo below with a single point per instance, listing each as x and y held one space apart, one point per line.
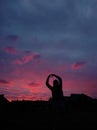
33 84
10 50
27 58
78 65
12 37
2 81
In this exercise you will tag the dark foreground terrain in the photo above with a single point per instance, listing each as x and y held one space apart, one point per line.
74 112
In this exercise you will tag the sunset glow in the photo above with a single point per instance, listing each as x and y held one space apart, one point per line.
42 37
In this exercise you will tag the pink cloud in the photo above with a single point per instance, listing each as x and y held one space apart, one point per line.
33 84
27 87
5 82
78 65
10 50
27 58
18 61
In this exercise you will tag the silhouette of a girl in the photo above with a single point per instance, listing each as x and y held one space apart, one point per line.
56 89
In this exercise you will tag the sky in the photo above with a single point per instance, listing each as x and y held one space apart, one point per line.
40 37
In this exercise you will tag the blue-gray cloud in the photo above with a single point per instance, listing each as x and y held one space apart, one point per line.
49 16
70 24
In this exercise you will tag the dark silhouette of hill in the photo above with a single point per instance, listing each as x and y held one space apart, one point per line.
77 111
3 99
